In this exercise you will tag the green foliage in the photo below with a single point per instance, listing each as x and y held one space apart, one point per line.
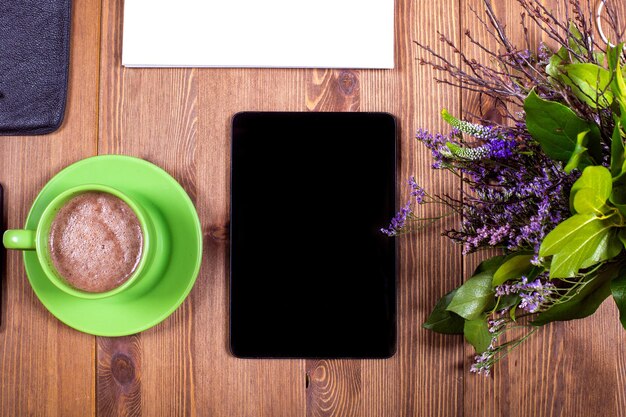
552 69
597 178
617 150
473 297
575 40
590 83
513 267
590 235
618 85
556 127
476 332
580 150
579 242
584 301
466 303
618 290
443 321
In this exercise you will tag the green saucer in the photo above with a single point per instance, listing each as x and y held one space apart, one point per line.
137 308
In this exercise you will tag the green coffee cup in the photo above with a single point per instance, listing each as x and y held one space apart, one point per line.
154 250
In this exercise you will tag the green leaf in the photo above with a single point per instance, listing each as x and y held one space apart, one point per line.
443 321
552 69
618 289
579 151
615 243
597 178
590 83
563 232
618 196
618 87
587 200
490 265
575 40
622 236
617 151
584 303
514 267
477 334
556 128
476 294
473 297
509 300
600 58
578 242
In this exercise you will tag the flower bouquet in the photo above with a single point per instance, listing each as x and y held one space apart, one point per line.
545 186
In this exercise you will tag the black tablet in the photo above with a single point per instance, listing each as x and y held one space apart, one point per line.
311 275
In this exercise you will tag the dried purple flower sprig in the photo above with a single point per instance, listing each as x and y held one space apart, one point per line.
405 217
515 193
535 296
512 71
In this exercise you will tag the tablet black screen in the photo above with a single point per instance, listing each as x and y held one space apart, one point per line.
311 273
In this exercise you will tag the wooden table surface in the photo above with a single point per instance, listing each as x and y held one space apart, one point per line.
179 119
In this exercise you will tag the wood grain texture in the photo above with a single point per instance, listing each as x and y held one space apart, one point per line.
275 388
180 119
334 386
231 386
149 114
392 387
118 386
424 378
46 368
332 90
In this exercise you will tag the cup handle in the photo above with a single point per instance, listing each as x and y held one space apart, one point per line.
19 239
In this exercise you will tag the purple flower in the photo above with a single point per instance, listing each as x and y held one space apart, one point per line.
496 325
535 295
483 362
544 53
398 222
514 193
501 148
416 191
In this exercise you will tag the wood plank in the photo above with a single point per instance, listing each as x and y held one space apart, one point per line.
46 367
334 387
149 114
332 90
424 377
118 384
153 114
571 368
393 387
231 386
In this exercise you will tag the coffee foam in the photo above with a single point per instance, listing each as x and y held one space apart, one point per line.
95 242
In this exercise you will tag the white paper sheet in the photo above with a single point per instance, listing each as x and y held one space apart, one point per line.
259 33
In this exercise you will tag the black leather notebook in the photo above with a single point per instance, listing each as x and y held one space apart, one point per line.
34 61
2 256
311 274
